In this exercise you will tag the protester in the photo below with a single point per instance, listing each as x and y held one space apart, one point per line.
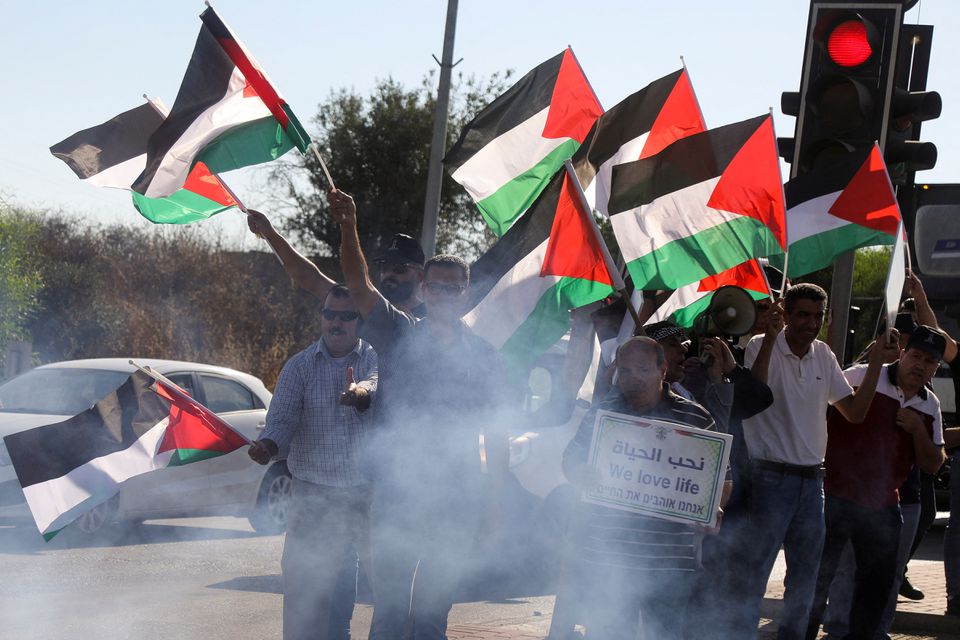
864 466
443 393
319 419
787 443
636 564
400 266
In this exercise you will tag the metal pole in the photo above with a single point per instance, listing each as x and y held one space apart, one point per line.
431 207
841 290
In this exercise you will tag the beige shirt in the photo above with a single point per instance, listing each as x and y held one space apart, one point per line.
794 428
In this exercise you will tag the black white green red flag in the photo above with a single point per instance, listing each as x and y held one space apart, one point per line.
114 153
640 126
507 154
70 467
547 263
704 204
227 115
837 207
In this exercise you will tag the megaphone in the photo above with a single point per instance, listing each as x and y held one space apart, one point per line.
731 313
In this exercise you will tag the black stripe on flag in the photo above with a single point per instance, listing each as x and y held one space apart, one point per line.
684 163
527 233
111 425
528 97
830 176
629 119
106 145
204 84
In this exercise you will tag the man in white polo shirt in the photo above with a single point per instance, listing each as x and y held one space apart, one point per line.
787 443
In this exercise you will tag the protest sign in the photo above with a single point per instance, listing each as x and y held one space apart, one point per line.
658 469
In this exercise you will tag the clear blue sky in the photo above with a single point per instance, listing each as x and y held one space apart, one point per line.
68 66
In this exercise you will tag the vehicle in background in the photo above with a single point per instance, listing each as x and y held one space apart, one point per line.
943 387
224 485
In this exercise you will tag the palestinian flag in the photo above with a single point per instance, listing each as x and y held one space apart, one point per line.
227 115
640 126
689 301
507 154
837 208
69 467
114 153
547 263
703 205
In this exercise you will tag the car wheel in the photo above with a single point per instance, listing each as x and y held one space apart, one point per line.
99 518
273 500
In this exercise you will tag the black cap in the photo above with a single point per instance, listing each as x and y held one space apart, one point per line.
662 330
928 339
402 250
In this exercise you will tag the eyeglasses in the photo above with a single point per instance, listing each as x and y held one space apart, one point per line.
450 289
345 316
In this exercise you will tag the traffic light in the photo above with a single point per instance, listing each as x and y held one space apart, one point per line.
847 81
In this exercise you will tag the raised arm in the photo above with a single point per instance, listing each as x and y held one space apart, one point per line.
300 268
854 407
354 265
925 314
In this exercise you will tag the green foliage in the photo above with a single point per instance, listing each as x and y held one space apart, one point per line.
377 148
20 279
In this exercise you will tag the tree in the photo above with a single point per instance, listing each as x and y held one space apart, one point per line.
20 280
377 148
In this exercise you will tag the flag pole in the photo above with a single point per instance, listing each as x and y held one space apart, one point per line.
323 166
161 108
783 194
584 208
183 397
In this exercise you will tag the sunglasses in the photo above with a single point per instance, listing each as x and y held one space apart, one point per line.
345 316
450 289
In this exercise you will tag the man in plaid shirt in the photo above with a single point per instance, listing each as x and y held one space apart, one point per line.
319 419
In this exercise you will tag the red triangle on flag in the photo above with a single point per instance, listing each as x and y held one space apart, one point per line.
193 427
203 183
750 185
748 275
573 250
868 199
678 118
573 106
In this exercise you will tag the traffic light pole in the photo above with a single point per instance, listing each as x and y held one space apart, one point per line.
841 291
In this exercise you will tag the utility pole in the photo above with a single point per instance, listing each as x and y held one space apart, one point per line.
431 207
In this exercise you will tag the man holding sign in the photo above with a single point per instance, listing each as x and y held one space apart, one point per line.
642 494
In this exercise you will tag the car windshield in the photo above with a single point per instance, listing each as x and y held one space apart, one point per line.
58 391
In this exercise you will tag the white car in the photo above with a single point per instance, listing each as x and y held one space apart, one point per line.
226 485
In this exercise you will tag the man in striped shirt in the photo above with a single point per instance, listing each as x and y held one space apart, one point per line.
318 419
637 564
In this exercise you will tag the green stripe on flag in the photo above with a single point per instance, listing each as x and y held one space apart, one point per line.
549 320
254 142
686 260
505 205
819 251
295 130
186 456
181 207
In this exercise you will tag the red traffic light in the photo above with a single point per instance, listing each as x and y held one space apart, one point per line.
848 44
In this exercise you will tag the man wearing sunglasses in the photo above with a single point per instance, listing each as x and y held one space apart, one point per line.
440 452
400 266
319 419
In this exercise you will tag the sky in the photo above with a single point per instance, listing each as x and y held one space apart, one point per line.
69 66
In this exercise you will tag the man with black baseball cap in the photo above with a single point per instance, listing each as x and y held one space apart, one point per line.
865 464
401 266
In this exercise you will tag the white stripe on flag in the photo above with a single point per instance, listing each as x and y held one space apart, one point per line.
598 191
232 110
120 176
511 300
674 216
810 218
506 157
53 503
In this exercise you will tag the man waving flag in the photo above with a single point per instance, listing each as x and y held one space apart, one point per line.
227 115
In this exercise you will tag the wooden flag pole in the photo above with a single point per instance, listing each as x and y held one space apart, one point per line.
783 194
585 211
323 166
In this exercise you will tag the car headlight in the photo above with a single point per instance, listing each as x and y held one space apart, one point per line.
4 455
520 449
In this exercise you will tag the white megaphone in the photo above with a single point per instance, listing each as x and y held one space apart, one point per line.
731 313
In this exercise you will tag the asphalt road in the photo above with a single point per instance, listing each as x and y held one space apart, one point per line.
210 578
